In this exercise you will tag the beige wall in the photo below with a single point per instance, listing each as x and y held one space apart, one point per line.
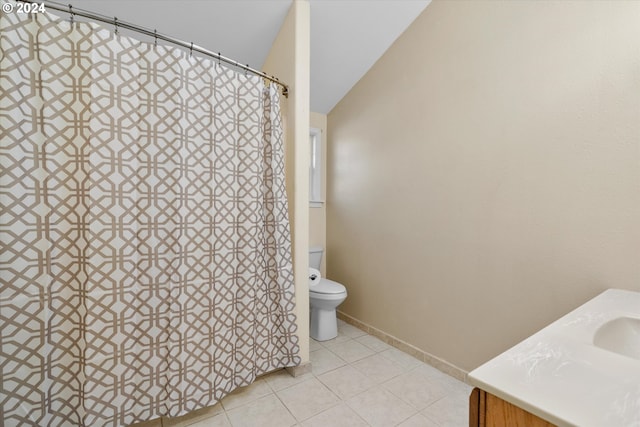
289 60
484 176
318 215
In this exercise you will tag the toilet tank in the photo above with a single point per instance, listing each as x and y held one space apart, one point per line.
315 257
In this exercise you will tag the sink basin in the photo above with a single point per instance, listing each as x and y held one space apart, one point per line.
621 335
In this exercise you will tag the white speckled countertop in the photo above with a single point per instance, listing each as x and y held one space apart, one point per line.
560 375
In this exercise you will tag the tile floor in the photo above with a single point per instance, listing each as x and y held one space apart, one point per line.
356 380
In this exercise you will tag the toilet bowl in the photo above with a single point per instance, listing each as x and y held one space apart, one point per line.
324 297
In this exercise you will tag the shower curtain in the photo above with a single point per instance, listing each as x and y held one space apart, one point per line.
146 257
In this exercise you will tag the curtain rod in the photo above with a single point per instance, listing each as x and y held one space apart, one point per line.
192 47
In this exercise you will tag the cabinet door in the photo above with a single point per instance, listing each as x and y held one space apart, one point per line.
487 410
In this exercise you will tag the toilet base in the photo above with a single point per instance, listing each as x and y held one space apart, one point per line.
323 325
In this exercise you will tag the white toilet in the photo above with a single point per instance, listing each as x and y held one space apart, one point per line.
324 296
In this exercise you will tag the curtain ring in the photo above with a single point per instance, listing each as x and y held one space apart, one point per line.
71 13
191 50
219 56
155 38
245 70
115 22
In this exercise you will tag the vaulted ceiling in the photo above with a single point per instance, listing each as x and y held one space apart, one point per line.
347 36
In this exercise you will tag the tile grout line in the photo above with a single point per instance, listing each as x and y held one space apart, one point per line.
330 391
275 393
286 407
311 416
346 402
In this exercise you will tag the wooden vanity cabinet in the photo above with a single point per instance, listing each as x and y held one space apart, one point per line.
487 410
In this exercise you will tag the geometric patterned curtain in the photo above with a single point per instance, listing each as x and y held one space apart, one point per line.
146 258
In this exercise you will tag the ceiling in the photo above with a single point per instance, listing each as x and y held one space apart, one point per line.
347 36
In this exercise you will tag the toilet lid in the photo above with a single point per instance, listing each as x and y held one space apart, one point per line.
327 286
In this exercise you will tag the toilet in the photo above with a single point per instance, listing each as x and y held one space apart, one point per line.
324 296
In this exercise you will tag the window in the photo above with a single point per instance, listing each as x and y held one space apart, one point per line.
315 168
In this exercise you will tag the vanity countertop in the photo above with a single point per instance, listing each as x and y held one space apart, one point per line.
562 376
